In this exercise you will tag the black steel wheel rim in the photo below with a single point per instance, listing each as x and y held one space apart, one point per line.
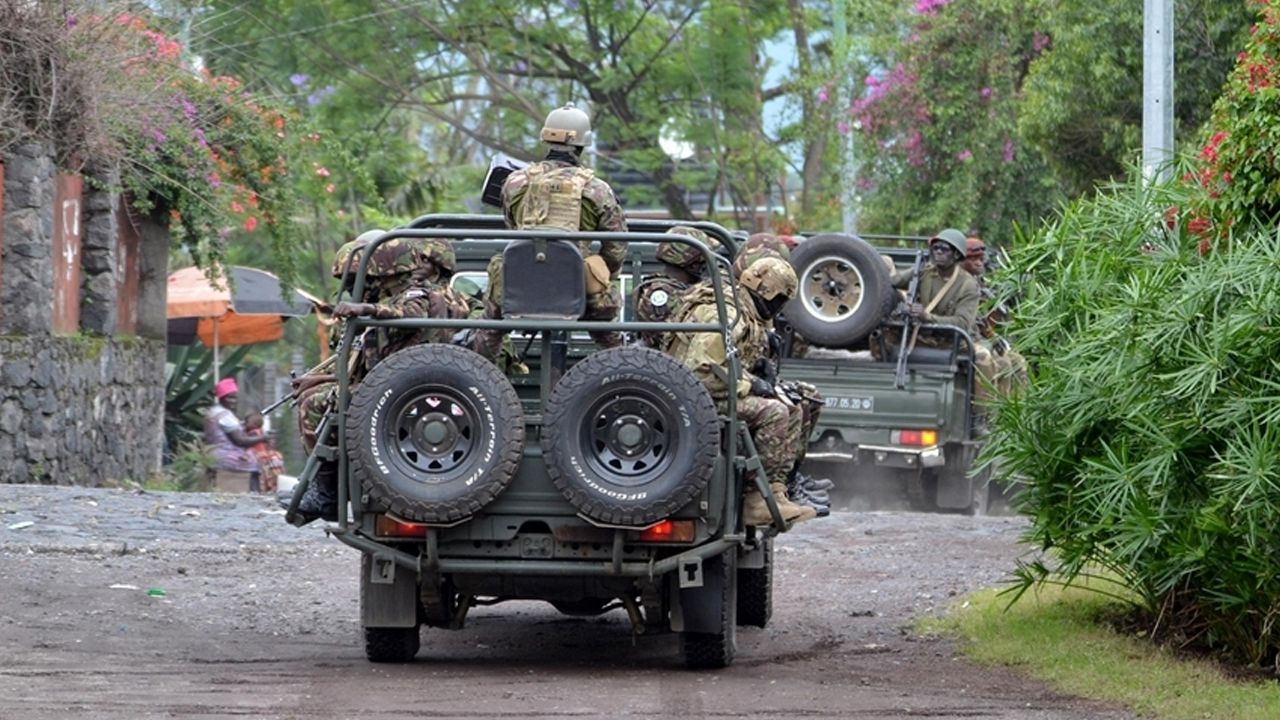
433 432
628 439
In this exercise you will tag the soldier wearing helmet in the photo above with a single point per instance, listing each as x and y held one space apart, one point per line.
558 193
658 297
409 279
757 246
775 428
947 295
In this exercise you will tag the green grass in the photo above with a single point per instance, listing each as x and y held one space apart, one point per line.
1057 636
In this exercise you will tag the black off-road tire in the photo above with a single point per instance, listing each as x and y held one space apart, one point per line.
845 290
434 433
391 645
755 591
631 436
715 650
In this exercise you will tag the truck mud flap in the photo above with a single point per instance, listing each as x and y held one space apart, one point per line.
388 595
700 609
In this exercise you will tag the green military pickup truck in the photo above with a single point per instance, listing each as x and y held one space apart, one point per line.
598 480
917 428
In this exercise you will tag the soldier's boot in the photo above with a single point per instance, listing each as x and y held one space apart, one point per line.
755 511
320 502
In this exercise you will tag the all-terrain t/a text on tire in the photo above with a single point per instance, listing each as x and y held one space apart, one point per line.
631 436
434 433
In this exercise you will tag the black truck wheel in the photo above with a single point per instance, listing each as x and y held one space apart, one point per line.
391 645
713 608
630 436
755 591
434 433
845 290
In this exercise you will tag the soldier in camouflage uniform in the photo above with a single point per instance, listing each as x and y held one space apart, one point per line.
658 297
1010 367
559 194
763 289
807 402
410 278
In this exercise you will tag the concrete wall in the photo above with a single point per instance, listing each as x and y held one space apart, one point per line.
83 407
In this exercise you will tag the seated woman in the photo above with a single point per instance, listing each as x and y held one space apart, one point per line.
234 459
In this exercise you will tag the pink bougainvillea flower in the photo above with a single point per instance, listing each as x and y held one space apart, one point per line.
329 188
250 223
842 127
822 95
964 156
985 92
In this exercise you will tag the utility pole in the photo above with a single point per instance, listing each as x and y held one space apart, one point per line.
843 100
1157 88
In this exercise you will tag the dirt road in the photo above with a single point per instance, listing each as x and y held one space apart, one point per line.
260 620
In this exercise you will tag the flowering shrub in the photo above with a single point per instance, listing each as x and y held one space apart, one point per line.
193 150
938 123
209 156
1235 169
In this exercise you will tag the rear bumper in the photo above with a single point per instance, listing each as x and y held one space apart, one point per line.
890 456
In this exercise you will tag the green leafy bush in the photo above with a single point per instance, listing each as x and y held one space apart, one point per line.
1149 440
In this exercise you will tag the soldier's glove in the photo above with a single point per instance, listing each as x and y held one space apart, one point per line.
762 388
349 309
775 344
918 312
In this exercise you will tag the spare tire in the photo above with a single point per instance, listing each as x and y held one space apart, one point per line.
630 437
845 290
434 433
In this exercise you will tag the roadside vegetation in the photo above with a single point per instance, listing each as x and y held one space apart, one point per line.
1074 641
1148 443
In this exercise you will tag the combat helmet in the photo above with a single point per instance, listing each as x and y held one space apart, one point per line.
567 126
347 258
440 252
686 256
952 237
770 278
758 247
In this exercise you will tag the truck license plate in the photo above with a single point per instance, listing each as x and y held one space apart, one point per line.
853 403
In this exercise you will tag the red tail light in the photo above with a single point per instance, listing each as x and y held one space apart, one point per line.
387 526
673 531
917 438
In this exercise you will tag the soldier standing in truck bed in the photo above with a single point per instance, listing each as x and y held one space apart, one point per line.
557 193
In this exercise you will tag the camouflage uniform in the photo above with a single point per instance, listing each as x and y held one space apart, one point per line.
558 194
775 427
413 274
659 297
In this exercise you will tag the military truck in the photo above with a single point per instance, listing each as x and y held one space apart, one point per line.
917 425
601 479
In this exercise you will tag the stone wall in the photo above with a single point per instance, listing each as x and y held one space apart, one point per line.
80 410
84 407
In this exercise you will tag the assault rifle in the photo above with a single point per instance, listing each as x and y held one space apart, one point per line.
324 365
909 324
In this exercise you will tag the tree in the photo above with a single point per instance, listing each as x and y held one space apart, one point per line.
1082 105
937 121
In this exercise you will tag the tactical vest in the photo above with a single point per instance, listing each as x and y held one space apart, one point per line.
553 197
750 335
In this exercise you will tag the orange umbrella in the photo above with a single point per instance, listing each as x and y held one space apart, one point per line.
242 306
